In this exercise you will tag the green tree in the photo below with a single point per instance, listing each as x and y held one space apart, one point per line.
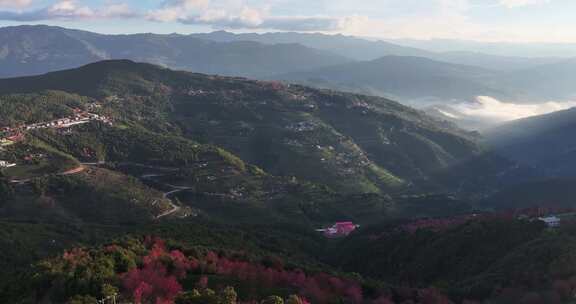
109 290
228 296
6 191
207 296
273 300
294 299
40 185
78 299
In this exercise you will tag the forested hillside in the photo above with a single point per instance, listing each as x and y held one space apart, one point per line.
237 175
360 142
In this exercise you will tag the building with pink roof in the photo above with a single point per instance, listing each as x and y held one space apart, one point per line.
339 229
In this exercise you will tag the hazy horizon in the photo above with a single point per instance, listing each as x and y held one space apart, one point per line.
540 21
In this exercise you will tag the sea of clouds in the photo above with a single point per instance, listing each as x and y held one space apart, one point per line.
492 109
486 111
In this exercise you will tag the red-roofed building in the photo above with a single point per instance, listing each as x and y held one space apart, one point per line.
16 137
345 227
339 229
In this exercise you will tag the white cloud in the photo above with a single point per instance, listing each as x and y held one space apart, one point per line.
491 109
432 19
414 19
15 3
207 12
186 4
69 10
229 14
118 10
246 17
452 25
173 10
417 27
303 23
237 14
521 3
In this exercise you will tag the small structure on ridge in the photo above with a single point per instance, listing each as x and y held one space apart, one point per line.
339 229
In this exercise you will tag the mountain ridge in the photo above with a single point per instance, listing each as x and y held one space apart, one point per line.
367 49
38 49
305 121
411 79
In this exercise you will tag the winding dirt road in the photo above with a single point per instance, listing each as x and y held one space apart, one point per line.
76 170
175 208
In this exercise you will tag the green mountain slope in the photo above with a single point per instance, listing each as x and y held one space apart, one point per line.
543 141
490 259
361 143
243 172
546 143
203 180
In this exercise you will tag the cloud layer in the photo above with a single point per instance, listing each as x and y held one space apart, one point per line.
495 111
14 3
237 15
68 10
229 14
521 3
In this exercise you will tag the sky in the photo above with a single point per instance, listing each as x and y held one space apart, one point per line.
482 20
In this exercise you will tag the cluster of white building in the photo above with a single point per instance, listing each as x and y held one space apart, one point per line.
551 221
304 126
6 164
10 135
77 119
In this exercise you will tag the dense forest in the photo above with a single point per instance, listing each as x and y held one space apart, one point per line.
173 187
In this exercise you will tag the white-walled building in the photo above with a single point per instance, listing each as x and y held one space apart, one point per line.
5 164
551 221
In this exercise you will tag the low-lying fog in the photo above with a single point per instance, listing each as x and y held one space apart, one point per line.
486 111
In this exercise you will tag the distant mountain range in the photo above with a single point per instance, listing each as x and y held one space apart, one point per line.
365 49
328 61
554 81
351 47
28 50
401 72
458 71
537 51
420 80
406 78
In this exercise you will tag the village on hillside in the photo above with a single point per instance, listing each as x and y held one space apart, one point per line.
553 218
13 135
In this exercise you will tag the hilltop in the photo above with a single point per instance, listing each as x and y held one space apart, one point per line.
228 149
361 143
